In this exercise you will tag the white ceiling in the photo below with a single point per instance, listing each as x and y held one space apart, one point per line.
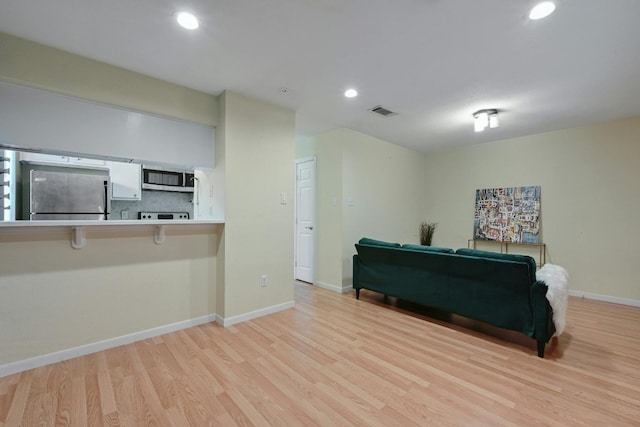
434 62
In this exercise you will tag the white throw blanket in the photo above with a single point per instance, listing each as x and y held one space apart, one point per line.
557 280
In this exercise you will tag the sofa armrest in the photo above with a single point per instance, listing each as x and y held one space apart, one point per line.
542 313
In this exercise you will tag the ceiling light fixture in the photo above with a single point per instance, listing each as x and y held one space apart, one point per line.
485 118
187 20
542 10
351 93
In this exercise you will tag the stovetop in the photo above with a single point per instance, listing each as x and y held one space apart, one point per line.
163 215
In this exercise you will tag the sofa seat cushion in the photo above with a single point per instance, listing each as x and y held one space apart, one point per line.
428 248
374 242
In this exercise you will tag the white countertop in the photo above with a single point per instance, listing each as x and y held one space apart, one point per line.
87 223
78 228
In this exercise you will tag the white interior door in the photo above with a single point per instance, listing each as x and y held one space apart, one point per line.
305 219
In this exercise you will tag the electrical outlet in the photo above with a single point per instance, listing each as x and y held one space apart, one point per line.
263 280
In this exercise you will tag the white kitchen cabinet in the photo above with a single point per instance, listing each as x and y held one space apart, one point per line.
43 158
125 180
60 160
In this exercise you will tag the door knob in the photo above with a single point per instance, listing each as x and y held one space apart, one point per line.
309 228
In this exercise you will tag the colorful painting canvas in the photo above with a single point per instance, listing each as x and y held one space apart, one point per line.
507 214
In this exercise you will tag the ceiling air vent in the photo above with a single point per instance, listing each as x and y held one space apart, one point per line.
382 111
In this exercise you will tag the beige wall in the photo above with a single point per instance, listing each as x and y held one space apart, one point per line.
328 151
32 64
588 176
259 144
57 298
383 180
53 297
218 177
589 202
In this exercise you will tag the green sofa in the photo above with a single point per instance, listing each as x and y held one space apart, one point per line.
498 289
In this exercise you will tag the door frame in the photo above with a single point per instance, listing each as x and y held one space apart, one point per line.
314 216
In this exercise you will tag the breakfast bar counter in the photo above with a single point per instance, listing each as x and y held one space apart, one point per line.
78 228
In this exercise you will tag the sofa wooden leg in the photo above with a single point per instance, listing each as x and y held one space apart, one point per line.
357 293
541 349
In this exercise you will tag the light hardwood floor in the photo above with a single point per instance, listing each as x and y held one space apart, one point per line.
333 360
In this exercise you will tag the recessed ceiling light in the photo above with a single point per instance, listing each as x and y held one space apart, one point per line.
187 20
351 93
542 10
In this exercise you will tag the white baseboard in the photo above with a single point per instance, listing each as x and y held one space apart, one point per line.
334 288
70 353
606 298
228 321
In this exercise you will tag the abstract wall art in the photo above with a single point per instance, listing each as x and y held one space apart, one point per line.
507 214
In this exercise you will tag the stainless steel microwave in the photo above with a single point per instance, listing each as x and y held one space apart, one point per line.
156 178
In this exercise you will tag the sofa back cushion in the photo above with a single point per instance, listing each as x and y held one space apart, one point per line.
374 242
507 257
428 248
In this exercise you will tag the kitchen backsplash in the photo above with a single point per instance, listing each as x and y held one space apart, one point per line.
153 201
